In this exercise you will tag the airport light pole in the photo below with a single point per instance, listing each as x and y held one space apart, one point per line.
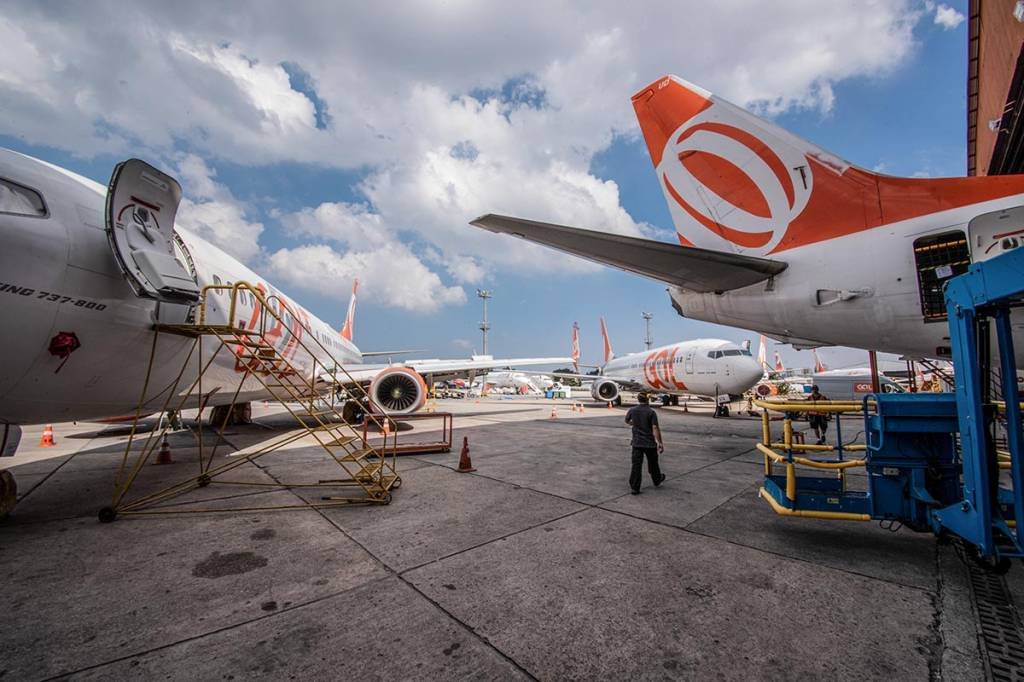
647 320
484 326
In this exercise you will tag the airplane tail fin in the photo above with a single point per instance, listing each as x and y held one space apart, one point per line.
576 347
608 352
819 366
737 183
350 319
779 367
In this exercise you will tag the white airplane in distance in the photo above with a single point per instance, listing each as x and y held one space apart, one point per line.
711 368
779 236
84 275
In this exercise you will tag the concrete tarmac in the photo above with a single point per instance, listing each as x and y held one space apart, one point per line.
539 565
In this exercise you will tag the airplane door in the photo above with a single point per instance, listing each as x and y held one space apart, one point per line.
141 205
688 365
997 232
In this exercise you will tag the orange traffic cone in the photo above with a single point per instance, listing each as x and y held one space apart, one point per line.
581 408
609 404
47 440
465 465
554 412
164 456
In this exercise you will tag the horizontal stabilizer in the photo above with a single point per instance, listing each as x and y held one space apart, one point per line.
700 270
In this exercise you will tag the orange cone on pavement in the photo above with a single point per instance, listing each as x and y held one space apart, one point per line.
47 440
554 412
164 456
609 404
465 465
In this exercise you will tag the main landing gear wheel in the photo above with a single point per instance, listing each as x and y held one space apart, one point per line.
8 493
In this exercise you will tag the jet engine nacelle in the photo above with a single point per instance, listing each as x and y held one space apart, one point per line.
604 390
398 390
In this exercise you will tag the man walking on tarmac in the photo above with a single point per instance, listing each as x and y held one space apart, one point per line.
646 442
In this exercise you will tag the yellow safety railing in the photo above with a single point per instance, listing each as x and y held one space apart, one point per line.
790 457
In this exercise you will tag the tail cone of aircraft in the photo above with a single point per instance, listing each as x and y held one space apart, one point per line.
465 464
47 440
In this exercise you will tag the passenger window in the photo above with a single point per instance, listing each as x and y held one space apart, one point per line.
938 258
20 200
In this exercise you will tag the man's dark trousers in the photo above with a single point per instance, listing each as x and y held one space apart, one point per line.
636 473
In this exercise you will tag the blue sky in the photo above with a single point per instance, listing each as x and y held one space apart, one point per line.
412 141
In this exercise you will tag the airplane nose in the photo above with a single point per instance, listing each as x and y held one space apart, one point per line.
751 372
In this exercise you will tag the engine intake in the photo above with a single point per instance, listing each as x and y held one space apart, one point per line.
604 390
398 390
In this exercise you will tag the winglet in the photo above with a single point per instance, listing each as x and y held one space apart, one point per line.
608 352
350 318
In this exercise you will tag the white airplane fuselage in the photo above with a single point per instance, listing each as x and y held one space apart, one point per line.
704 367
881 308
58 274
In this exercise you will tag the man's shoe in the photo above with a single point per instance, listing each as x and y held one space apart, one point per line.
660 481
634 492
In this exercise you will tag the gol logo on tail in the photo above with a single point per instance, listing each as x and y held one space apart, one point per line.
737 191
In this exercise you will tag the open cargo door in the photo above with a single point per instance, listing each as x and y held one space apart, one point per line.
141 205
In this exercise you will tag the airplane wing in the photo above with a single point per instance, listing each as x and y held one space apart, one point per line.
477 364
439 369
700 270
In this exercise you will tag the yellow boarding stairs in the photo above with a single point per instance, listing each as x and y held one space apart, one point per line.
366 472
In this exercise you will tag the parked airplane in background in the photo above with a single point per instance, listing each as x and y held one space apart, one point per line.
779 236
702 367
83 286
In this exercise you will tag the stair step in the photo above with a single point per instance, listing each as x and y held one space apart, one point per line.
357 455
368 472
344 440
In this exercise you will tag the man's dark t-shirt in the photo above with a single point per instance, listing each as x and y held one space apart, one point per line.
643 419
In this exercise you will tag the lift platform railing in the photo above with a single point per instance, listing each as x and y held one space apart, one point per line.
261 350
794 495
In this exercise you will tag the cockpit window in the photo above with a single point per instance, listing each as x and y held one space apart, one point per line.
746 352
19 200
734 351
714 354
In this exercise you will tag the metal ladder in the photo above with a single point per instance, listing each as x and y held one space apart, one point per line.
367 470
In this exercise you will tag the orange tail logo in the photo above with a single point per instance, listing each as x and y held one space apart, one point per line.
734 182
350 318
779 367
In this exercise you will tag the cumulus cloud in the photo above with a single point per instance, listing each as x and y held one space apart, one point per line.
456 110
211 210
390 275
945 16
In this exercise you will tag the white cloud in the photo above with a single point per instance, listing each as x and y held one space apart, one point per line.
390 275
947 17
211 210
452 111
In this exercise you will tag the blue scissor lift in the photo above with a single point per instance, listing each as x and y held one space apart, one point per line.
931 459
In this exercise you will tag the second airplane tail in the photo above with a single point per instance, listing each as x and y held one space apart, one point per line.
608 352
350 318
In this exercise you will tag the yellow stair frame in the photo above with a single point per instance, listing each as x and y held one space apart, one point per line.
367 473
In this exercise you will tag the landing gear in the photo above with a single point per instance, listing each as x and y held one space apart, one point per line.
722 411
8 493
618 401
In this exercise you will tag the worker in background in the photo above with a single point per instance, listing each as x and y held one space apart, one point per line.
819 420
646 443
